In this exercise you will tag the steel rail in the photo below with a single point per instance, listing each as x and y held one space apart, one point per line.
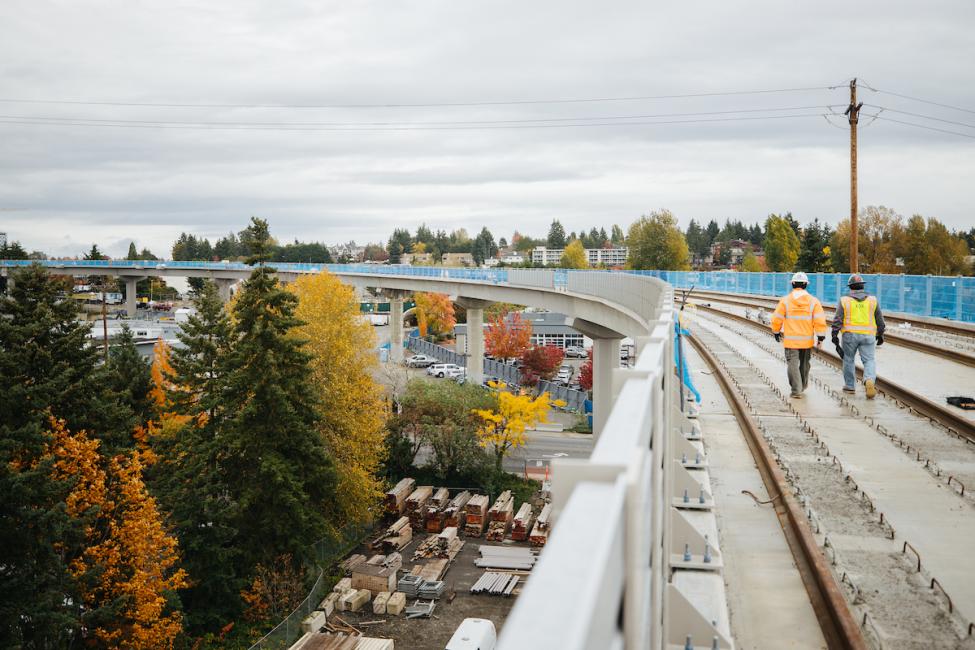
939 326
832 611
953 421
894 338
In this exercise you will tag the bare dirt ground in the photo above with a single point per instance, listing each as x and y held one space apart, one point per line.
433 633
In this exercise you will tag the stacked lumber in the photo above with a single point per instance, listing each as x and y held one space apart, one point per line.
396 603
379 602
375 578
439 498
394 538
454 512
539 534
445 545
416 504
349 564
522 524
515 558
500 517
433 569
395 499
475 515
434 515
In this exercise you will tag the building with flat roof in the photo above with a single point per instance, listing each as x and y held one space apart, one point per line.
596 256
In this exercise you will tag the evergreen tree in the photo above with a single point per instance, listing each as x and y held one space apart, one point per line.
133 254
617 237
711 233
556 235
274 461
47 369
13 251
128 377
814 248
189 477
696 239
603 237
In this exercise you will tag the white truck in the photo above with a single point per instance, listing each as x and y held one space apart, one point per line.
474 634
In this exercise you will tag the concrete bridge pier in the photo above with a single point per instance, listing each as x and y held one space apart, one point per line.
396 298
130 297
224 287
475 337
605 359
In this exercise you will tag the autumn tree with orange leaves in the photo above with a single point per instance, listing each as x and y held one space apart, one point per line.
434 314
127 568
507 336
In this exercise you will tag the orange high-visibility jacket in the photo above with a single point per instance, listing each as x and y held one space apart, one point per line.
800 318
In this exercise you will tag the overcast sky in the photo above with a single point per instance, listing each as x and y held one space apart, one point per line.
325 170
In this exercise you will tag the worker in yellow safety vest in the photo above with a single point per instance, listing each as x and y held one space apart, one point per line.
799 323
859 319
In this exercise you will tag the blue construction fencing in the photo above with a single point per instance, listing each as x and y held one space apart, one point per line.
921 295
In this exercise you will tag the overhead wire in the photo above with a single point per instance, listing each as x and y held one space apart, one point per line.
922 126
920 99
398 128
583 119
926 117
518 102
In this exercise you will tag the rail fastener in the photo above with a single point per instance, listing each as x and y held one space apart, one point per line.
952 478
907 545
951 606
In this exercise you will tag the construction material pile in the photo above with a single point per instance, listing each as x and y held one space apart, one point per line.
434 516
420 609
430 590
499 516
395 499
445 545
475 513
496 584
394 538
454 514
522 523
377 574
539 533
349 564
416 505
517 558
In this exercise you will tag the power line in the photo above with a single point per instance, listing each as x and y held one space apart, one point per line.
923 101
922 126
926 117
400 128
416 105
540 120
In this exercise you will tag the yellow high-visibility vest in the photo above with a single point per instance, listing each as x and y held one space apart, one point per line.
859 315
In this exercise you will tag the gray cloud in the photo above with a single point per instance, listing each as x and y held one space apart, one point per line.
73 185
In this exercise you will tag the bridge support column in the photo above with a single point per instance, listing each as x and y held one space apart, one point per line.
130 298
396 298
475 337
223 288
605 359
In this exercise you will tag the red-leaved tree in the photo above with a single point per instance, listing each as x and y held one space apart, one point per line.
540 362
508 336
585 374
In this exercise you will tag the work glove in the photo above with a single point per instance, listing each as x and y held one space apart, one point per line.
821 338
880 340
778 337
836 339
839 348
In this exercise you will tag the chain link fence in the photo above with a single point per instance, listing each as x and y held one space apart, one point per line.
326 552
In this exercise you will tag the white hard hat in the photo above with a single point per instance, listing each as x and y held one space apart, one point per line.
800 277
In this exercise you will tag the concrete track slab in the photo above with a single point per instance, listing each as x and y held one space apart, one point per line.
934 519
768 602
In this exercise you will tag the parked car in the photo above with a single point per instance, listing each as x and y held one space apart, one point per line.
420 361
442 369
459 375
575 352
473 634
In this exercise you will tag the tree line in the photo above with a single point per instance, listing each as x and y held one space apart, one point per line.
147 506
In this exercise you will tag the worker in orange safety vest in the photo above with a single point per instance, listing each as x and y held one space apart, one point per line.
799 324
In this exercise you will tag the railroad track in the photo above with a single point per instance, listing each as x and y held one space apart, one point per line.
893 337
946 418
836 621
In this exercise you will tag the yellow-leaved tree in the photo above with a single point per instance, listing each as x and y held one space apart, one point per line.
128 565
503 427
353 409
166 422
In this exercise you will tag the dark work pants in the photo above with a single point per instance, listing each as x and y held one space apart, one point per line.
798 363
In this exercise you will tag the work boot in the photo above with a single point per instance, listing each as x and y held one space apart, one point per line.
871 388
847 389
795 395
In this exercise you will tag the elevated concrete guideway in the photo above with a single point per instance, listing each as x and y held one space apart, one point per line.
606 306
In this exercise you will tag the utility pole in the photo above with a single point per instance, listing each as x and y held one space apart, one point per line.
853 113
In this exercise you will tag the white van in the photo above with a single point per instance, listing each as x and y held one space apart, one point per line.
473 634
